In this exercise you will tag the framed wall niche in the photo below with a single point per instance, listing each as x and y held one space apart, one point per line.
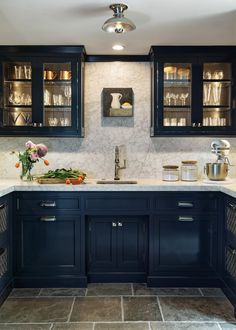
117 102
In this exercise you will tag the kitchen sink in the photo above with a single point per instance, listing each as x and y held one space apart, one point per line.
116 182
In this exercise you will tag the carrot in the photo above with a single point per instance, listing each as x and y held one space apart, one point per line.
17 164
46 162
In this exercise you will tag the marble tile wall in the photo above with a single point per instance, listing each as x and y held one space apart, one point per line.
95 153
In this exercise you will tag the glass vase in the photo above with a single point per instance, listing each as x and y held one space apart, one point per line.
26 172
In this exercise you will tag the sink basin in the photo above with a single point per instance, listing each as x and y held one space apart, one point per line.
116 182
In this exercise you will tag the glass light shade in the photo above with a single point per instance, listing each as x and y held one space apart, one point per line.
118 25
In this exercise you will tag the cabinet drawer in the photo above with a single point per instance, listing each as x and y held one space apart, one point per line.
4 265
47 202
117 203
186 202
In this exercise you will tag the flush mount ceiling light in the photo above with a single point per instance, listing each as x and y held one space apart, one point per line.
118 23
118 47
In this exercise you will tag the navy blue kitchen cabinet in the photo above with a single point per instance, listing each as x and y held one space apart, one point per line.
117 248
5 247
193 90
49 240
229 249
183 240
41 90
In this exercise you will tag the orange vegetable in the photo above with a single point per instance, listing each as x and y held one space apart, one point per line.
67 181
46 162
17 164
80 179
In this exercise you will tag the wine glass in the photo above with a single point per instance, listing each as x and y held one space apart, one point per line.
67 92
183 97
168 98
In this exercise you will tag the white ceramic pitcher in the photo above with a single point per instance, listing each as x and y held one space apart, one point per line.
115 103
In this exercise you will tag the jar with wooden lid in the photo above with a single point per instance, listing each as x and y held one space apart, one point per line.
170 173
189 170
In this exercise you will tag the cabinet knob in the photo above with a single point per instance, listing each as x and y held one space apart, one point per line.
232 206
120 224
194 125
231 250
114 224
199 125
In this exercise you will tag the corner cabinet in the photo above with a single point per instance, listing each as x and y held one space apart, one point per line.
193 91
41 91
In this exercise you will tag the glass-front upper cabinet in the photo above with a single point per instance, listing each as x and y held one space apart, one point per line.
193 91
17 94
177 91
41 95
217 83
57 94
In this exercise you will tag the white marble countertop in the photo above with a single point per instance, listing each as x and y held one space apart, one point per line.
228 187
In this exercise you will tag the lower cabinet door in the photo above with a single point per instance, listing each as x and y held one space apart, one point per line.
48 245
132 244
183 244
117 244
102 241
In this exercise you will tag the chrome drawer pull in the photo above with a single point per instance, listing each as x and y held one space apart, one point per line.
185 204
2 206
233 206
185 218
231 250
48 218
114 224
48 204
120 224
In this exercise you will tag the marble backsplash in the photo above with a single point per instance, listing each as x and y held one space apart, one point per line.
95 153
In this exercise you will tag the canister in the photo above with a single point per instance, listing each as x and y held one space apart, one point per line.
189 170
170 173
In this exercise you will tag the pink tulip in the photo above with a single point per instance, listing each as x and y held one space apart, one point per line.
34 156
41 149
29 145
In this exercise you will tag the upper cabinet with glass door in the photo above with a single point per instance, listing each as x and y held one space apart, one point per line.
193 91
41 91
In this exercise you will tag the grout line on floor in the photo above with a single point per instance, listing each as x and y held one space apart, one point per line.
159 305
39 292
122 308
132 289
219 325
201 292
149 325
51 326
71 309
86 292
93 326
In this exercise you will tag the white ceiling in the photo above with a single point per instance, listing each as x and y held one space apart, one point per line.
78 22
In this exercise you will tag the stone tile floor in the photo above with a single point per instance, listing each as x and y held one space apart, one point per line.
117 307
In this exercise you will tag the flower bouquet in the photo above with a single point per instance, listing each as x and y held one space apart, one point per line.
32 154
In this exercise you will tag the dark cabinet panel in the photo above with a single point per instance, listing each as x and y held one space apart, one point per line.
193 90
184 244
48 245
102 244
5 242
42 91
117 244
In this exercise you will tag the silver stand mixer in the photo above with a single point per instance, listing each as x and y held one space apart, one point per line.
218 170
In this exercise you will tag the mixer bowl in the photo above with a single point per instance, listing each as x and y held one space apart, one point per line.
216 171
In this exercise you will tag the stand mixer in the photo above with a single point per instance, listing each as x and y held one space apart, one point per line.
218 170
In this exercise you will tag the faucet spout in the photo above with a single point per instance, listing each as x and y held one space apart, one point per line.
117 163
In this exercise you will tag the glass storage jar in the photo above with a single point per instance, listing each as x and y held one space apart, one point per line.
170 173
189 170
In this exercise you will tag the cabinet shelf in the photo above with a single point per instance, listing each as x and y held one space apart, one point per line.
57 81
220 107
177 107
18 80
18 106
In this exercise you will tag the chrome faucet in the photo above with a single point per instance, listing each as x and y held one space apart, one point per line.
117 163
